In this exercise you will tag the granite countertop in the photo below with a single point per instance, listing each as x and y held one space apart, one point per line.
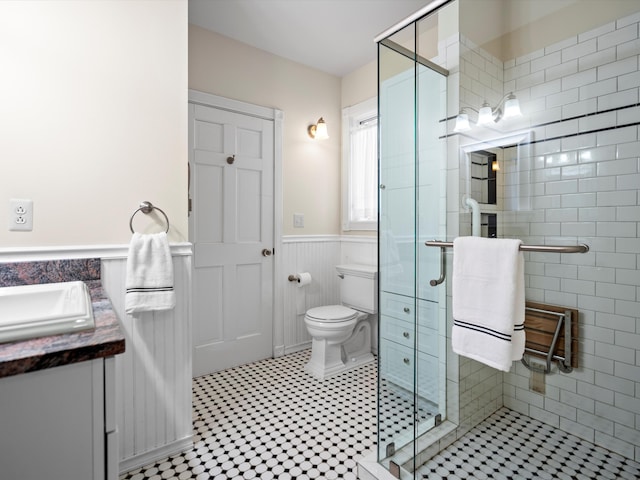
105 340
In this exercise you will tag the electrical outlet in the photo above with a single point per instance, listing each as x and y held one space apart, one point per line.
20 215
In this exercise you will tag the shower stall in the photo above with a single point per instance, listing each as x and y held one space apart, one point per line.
563 168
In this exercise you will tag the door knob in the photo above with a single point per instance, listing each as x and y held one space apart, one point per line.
231 159
266 252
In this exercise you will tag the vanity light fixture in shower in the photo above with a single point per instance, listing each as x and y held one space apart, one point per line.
319 130
487 114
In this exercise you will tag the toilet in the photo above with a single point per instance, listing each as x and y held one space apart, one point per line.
342 333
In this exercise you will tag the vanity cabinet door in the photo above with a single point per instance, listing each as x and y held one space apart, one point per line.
52 423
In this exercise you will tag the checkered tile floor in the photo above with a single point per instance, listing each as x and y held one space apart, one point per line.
270 419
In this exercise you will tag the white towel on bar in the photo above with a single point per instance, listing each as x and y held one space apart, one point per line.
488 300
149 281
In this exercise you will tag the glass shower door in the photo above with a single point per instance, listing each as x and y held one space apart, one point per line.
431 224
397 262
412 120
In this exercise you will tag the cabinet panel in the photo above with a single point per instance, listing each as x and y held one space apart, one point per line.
48 419
403 332
397 366
112 466
403 307
397 306
398 331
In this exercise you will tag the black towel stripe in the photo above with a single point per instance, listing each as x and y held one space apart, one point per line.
481 329
149 289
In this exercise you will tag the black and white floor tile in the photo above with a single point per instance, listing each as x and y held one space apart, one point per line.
272 420
508 445
396 412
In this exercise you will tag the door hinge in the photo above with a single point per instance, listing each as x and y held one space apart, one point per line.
189 206
391 449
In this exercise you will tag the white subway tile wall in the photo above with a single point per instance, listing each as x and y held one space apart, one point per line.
577 182
586 188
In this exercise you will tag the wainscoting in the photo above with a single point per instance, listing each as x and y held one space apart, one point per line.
318 255
153 376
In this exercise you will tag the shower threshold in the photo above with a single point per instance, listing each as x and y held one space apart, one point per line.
511 445
429 444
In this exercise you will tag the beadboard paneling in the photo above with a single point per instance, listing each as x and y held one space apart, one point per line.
153 376
318 256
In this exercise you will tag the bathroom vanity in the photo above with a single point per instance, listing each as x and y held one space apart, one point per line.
57 394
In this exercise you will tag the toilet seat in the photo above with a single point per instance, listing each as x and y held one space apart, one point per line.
332 313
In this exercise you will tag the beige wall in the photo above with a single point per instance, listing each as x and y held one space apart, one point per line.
360 85
311 169
93 117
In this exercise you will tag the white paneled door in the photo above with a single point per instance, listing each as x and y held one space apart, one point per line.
231 226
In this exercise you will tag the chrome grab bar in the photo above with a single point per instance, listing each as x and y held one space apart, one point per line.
582 248
443 269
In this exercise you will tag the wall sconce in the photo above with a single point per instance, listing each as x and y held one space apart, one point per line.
318 131
488 115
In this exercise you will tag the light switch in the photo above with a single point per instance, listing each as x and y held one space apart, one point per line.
298 220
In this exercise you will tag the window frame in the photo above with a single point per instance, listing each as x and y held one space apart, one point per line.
351 116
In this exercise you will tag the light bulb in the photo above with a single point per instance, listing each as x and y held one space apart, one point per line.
321 130
485 115
512 107
462 123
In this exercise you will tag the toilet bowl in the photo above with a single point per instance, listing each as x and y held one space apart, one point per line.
341 334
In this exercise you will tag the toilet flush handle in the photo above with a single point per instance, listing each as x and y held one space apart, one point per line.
341 275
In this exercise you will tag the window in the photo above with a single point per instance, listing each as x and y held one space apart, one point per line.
360 166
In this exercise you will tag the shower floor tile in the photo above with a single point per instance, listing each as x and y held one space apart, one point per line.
271 419
509 445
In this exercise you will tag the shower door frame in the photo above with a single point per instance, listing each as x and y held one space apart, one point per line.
437 304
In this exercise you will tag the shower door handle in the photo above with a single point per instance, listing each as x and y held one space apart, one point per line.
443 269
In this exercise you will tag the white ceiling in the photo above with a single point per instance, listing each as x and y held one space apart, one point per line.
335 36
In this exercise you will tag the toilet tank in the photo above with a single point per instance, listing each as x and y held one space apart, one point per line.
359 287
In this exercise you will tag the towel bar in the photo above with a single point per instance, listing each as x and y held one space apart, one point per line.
147 207
582 248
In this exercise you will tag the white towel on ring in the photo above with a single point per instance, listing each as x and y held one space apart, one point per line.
149 281
488 300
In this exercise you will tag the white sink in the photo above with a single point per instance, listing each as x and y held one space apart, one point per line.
31 311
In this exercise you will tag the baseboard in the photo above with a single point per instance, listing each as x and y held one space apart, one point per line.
297 348
165 451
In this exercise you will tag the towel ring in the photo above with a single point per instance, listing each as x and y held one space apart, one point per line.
147 207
